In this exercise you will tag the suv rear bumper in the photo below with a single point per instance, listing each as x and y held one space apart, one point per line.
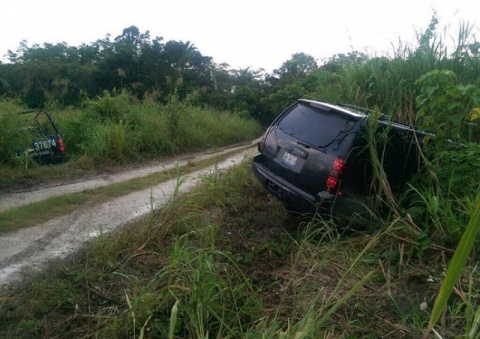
292 196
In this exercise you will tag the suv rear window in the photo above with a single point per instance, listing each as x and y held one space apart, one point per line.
315 127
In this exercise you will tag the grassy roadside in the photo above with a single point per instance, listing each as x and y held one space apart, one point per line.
227 261
113 131
38 212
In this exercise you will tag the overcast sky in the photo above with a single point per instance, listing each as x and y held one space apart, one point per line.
242 33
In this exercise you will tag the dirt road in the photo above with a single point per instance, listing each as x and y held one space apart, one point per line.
31 248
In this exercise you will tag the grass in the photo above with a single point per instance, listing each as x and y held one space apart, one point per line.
113 131
457 264
227 261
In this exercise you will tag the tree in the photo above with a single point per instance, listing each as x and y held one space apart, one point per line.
340 61
299 66
184 61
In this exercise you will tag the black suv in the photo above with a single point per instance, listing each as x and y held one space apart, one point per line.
315 156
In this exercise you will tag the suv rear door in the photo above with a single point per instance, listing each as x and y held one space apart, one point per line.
308 145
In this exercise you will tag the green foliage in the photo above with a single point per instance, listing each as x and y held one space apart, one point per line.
152 130
456 266
212 291
442 215
109 107
17 131
116 128
451 201
107 141
446 108
174 110
449 110
15 137
299 66
384 83
283 98
442 198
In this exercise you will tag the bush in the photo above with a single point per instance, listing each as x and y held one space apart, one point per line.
445 198
109 107
15 137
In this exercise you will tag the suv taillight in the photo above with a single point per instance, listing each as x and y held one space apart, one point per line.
61 147
338 164
332 182
333 179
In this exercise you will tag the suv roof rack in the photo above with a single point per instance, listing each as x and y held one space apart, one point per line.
366 111
328 107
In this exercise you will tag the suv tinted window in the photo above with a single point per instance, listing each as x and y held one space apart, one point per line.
316 127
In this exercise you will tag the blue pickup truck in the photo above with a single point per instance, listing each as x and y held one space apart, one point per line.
46 142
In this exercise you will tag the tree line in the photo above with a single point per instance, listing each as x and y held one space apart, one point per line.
153 69
148 68
134 61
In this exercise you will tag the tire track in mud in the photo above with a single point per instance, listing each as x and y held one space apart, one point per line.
31 248
17 199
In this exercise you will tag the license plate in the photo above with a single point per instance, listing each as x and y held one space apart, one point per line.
289 159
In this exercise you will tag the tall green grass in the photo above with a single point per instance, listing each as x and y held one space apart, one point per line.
114 129
433 84
15 136
387 82
121 131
